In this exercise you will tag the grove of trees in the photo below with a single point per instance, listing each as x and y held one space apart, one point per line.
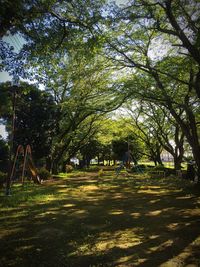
92 57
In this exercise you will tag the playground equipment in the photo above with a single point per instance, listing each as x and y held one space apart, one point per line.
137 169
28 164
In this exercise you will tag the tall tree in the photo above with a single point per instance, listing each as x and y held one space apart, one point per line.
35 119
164 130
83 89
145 131
3 155
157 76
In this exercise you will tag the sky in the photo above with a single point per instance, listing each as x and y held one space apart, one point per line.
121 2
4 76
17 43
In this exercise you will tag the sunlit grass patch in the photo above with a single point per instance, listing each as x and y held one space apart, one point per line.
107 241
116 212
99 221
154 213
89 187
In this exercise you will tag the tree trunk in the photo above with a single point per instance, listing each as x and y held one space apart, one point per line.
155 162
189 128
196 154
49 163
158 159
54 167
177 163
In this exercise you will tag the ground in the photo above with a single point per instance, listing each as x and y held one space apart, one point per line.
96 219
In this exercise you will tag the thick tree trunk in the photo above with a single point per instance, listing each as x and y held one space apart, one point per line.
196 154
189 128
54 167
177 163
158 159
48 163
178 156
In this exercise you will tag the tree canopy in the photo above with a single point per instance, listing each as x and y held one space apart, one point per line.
91 57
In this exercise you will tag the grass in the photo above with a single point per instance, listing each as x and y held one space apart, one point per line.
167 164
87 219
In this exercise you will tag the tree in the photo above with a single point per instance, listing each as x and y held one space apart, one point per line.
45 30
89 151
82 88
158 129
60 53
180 21
146 133
159 78
32 17
124 139
3 155
82 141
35 120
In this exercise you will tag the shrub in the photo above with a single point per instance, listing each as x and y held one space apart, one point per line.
44 174
69 168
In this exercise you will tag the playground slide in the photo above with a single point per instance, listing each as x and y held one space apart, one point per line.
33 171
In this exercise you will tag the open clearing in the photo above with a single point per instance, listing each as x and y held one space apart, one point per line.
87 220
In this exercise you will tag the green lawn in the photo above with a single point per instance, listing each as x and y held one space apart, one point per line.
95 219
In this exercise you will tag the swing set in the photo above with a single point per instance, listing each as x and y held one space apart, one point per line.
24 155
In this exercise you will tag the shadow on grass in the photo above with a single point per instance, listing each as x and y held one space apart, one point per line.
101 221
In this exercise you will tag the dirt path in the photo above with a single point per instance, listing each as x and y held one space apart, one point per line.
103 221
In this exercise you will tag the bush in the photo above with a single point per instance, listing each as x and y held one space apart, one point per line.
44 174
3 176
69 168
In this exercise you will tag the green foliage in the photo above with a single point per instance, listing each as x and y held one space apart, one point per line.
44 174
90 150
3 155
91 61
35 120
119 148
5 100
2 178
